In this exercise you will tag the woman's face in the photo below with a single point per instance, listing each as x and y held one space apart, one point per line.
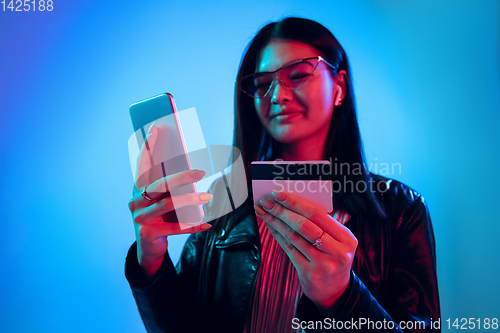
293 115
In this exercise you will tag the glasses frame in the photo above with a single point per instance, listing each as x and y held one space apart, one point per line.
275 76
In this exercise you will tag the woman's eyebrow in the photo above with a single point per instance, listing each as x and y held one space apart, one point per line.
286 64
266 70
278 68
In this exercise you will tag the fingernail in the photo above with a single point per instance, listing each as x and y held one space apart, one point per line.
197 174
259 210
205 226
268 205
279 196
205 196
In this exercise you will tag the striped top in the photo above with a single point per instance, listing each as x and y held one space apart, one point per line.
278 290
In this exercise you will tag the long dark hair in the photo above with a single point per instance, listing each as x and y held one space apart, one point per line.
344 144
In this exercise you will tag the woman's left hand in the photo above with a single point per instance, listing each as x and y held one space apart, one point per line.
323 270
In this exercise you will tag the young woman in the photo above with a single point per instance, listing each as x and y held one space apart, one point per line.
286 265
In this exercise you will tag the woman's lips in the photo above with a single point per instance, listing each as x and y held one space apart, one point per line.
282 112
286 116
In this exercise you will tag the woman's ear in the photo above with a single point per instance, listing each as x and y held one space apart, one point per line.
340 85
338 96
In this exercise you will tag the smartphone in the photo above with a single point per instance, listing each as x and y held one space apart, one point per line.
310 180
169 154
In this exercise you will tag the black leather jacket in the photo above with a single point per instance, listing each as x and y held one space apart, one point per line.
212 288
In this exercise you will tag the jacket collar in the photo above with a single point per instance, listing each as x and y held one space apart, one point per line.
241 230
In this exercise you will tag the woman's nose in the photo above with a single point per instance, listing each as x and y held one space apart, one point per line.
280 93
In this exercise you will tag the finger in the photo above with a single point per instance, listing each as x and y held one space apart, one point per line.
161 186
169 204
165 184
295 233
324 221
298 258
308 229
144 160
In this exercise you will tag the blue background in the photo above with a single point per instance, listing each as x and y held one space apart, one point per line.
427 84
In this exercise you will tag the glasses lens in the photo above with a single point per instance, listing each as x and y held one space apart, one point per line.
295 75
292 76
257 85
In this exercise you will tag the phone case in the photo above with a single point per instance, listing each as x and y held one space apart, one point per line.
169 154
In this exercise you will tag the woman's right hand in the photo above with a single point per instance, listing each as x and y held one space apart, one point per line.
151 230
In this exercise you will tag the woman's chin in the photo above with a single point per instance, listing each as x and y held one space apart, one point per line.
286 136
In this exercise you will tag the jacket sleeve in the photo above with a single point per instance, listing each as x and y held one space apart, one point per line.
166 302
412 294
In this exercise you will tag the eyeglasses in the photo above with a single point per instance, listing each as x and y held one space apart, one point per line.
293 75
